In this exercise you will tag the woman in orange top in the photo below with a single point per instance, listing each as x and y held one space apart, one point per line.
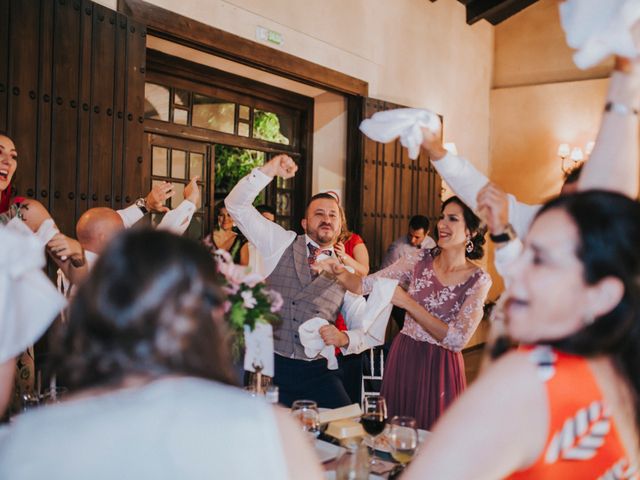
567 405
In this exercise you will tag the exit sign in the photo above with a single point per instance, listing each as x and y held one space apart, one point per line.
271 36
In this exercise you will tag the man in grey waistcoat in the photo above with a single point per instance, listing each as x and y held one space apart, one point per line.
287 258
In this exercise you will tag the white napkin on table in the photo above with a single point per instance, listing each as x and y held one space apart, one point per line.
599 28
259 348
29 302
313 343
404 123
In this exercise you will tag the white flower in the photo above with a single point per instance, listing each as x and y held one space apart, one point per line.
249 300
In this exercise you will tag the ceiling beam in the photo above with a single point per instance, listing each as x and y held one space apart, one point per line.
494 11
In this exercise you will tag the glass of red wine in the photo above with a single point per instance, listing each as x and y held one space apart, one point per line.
373 418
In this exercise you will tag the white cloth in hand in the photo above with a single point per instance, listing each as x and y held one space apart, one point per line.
29 302
405 123
313 343
259 348
598 28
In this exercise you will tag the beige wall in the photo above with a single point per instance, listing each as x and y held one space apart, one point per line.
540 99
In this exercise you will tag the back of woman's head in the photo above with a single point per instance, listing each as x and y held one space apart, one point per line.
150 307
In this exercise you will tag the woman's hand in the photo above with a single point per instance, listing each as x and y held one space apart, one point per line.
432 143
339 249
64 248
401 298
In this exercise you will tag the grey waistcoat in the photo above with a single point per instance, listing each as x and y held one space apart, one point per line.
303 297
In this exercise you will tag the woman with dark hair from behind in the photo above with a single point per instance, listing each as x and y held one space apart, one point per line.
146 356
444 304
567 403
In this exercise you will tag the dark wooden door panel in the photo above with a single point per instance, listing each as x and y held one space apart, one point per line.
394 188
71 97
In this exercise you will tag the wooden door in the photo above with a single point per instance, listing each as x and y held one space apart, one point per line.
392 188
72 99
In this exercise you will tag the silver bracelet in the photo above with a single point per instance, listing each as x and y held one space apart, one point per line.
620 109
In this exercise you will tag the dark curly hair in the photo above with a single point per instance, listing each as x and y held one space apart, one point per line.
151 307
472 222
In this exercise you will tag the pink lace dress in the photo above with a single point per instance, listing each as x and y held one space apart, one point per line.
423 376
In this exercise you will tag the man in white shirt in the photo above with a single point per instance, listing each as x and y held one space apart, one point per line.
416 238
97 226
286 260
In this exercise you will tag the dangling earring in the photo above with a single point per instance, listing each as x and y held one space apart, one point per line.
469 245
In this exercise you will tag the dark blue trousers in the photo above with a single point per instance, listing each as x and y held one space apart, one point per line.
302 380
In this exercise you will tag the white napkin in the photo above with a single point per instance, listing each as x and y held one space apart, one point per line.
367 319
29 302
599 28
404 123
259 348
313 343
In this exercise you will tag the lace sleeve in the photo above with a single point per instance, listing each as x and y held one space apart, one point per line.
461 328
401 270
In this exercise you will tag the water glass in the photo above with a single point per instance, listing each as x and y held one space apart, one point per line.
403 438
306 411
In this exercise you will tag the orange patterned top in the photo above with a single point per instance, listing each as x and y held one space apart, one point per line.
583 441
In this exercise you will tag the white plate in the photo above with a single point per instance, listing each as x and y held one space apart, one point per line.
327 451
383 446
331 475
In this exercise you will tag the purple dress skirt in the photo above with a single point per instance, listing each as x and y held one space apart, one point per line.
421 380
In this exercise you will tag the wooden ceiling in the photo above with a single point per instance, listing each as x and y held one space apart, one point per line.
493 11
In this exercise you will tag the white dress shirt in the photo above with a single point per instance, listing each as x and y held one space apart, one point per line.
271 240
175 221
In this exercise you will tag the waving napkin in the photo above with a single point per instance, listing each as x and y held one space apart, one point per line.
404 123
28 300
599 28
313 343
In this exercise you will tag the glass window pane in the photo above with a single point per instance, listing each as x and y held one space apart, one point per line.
213 114
178 164
273 127
181 97
243 129
179 196
156 102
233 163
181 117
159 161
283 204
284 182
243 112
196 165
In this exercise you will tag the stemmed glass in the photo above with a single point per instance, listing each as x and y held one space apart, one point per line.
306 411
373 418
403 439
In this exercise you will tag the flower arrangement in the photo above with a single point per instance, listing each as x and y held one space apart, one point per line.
248 302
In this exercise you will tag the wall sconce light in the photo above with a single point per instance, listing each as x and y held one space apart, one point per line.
451 148
573 157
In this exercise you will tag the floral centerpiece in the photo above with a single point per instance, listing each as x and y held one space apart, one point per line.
251 309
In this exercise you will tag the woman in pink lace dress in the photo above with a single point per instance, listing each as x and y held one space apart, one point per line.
444 304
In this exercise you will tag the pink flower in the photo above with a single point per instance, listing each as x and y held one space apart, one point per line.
231 289
276 300
223 255
249 300
226 306
252 279
233 273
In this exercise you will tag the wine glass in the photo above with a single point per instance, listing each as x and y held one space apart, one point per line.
306 411
403 438
373 418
